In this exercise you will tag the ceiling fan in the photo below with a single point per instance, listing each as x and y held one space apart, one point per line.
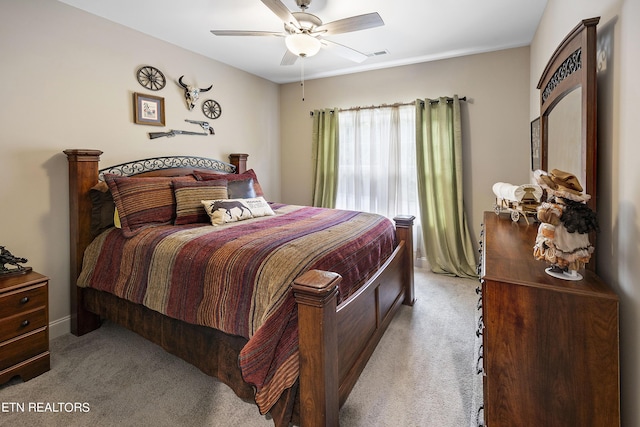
304 33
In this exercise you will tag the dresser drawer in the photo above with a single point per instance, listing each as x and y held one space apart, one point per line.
22 300
21 323
24 347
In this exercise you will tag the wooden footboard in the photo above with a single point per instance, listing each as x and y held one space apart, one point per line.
335 341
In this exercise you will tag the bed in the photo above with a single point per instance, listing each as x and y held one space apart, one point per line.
318 327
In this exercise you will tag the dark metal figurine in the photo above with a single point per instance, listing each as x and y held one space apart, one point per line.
7 257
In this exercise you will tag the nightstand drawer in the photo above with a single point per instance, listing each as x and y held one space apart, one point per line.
18 349
21 323
23 300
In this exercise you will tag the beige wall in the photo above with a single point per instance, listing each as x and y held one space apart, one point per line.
618 154
67 79
495 118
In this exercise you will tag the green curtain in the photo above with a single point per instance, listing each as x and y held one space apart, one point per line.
439 159
325 157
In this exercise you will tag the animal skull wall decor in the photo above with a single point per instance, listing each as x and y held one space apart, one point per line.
191 93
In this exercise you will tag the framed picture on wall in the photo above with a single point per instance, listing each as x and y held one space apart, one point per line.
148 109
536 160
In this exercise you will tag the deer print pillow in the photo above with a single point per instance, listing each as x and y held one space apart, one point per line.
232 210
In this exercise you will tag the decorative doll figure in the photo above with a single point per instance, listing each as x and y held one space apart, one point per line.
565 224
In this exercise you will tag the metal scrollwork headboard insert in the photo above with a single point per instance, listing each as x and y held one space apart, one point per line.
170 162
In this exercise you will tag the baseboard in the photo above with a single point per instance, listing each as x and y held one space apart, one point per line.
60 327
421 262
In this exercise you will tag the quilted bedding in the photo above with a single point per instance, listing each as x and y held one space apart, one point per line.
236 277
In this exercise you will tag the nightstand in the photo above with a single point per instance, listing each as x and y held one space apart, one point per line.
24 326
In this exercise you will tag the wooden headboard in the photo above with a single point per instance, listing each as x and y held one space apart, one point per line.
84 173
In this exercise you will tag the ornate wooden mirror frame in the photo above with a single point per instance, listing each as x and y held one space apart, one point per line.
570 77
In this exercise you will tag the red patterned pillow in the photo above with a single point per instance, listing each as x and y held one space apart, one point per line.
189 196
143 202
250 174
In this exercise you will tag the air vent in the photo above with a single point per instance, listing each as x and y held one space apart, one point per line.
379 53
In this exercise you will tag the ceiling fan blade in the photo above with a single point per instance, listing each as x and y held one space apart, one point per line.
354 23
344 51
282 12
289 58
245 33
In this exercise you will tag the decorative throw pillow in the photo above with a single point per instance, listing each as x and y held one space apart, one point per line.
143 202
250 174
189 196
241 189
116 219
102 208
232 210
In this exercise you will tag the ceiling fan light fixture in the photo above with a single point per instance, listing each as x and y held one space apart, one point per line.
302 45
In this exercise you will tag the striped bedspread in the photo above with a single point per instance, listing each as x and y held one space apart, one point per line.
236 277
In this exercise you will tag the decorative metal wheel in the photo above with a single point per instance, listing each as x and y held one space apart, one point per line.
515 216
496 208
151 78
211 109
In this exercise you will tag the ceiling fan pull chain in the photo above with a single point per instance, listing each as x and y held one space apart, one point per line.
302 76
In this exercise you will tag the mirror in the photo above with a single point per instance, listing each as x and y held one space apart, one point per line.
568 138
568 121
564 142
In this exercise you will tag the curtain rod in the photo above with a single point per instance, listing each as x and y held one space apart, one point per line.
397 104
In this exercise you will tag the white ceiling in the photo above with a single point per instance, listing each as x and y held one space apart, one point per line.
414 31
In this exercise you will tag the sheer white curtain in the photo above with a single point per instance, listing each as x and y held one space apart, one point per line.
377 163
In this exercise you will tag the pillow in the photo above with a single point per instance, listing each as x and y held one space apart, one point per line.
143 202
241 189
232 210
116 219
250 174
102 208
189 195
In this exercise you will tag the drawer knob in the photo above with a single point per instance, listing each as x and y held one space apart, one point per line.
24 300
24 323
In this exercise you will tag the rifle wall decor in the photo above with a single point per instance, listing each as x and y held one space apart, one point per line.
208 130
173 132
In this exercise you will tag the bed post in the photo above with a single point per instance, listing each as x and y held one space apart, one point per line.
316 294
239 161
83 174
404 231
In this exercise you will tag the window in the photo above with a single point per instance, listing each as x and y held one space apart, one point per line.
377 162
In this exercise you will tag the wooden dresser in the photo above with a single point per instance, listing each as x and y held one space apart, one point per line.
24 330
550 346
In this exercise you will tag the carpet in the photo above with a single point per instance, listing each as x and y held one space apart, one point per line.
421 374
